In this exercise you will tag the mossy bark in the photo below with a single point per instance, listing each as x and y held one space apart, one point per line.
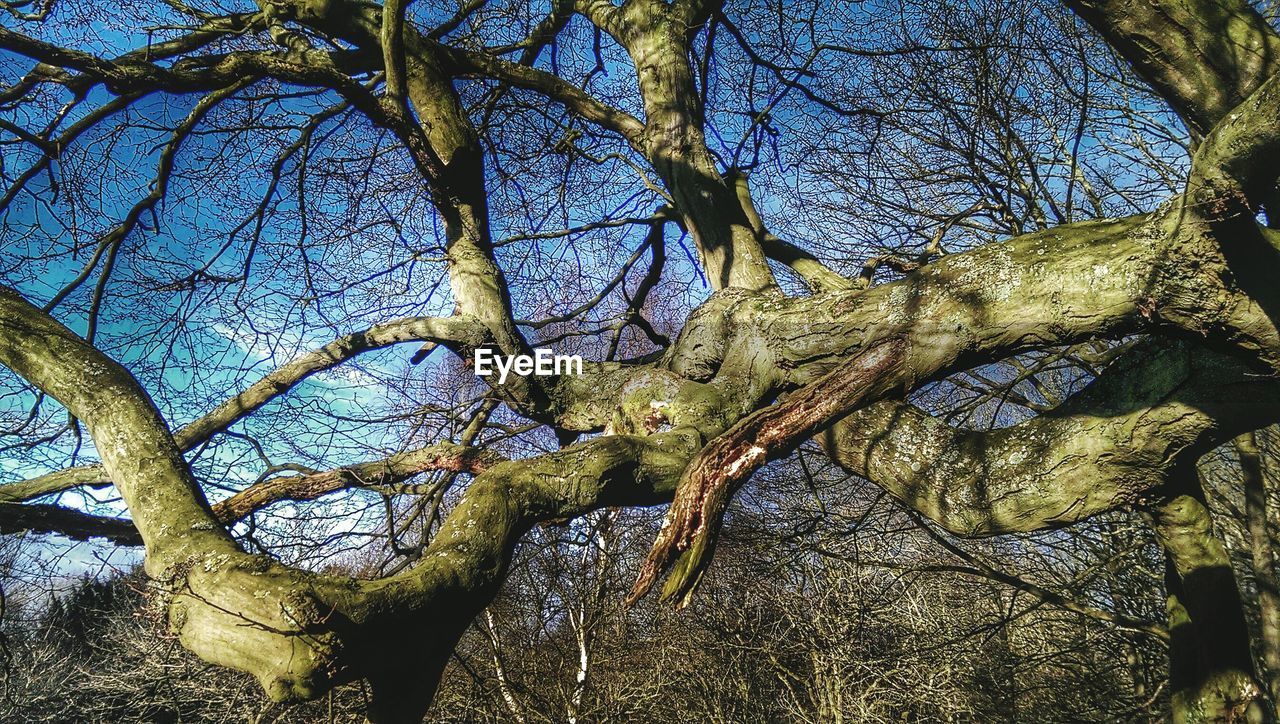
1211 672
1200 279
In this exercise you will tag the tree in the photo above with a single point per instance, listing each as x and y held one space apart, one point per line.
1042 207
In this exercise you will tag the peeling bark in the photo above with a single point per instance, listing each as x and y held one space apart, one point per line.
695 516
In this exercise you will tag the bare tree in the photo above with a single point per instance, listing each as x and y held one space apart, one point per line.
1013 265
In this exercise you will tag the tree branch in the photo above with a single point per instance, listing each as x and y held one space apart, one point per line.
455 332
47 518
695 516
1204 58
380 473
1109 446
477 63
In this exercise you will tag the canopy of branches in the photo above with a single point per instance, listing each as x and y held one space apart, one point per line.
995 281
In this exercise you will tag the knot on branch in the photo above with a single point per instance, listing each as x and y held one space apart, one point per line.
700 348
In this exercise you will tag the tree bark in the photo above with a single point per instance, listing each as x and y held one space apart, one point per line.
1262 558
1211 672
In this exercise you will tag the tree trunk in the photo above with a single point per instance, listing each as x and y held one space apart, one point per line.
1262 558
1211 672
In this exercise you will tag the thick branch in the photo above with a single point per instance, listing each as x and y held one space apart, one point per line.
808 267
46 518
1204 58
1211 668
1234 170
477 63
131 72
1109 446
378 474
446 135
168 507
656 37
393 49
